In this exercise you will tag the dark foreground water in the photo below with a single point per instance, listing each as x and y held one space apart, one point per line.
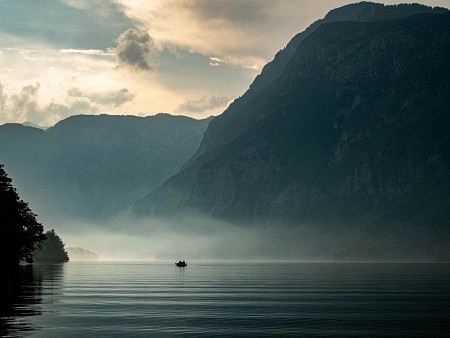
241 299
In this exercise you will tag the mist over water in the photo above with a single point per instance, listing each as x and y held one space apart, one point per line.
195 237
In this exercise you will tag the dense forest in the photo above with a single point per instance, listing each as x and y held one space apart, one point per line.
51 249
21 232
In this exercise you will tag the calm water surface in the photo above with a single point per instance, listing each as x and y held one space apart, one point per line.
228 299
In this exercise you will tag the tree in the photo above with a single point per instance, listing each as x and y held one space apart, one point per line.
51 249
20 232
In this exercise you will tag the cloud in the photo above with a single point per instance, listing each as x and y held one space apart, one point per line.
25 102
3 99
135 49
98 52
58 112
112 97
101 85
215 61
203 104
75 92
246 33
24 106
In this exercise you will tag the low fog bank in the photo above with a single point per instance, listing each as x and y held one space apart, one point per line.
193 238
200 237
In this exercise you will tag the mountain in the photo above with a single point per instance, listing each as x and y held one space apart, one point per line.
348 144
80 254
247 110
93 167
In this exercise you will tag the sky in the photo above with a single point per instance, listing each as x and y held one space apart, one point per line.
140 57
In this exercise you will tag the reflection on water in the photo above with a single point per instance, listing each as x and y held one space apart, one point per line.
22 294
107 299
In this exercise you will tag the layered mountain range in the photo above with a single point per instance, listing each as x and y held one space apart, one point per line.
338 150
94 167
345 135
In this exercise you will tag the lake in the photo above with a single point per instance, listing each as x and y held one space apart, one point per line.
148 299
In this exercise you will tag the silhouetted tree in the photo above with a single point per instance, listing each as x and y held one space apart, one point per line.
51 249
20 233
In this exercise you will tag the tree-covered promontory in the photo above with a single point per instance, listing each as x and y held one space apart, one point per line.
20 231
51 249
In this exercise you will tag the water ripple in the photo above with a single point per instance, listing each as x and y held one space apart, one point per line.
247 300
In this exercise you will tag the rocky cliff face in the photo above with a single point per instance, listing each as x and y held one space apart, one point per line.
351 138
246 111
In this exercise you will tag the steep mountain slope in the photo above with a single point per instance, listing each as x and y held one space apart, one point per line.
351 139
246 111
96 166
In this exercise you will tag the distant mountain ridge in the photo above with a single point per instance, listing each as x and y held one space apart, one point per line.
80 254
94 167
349 142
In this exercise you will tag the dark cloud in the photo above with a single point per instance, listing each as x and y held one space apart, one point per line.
116 98
204 104
111 97
135 49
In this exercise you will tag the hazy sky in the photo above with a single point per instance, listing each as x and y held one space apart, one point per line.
192 57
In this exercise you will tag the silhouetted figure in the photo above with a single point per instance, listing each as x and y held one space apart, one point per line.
181 263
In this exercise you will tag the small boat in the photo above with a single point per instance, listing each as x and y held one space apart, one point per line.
181 263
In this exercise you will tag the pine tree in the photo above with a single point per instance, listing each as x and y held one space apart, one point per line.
20 232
